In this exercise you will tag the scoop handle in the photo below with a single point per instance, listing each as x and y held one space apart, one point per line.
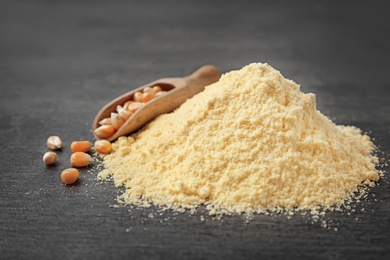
202 77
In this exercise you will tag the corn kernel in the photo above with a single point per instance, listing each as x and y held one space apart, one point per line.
80 159
147 97
137 97
156 89
70 175
149 90
103 146
105 131
127 104
49 158
117 120
105 121
135 106
158 94
80 146
54 142
125 114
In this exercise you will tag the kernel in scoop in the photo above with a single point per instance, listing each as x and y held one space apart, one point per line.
158 94
149 90
127 104
137 97
105 131
124 113
105 121
135 106
117 120
156 89
147 97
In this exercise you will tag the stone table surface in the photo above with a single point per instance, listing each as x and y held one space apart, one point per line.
60 61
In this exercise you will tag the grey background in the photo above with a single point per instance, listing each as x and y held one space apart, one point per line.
61 61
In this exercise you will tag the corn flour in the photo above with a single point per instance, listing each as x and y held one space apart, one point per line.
251 142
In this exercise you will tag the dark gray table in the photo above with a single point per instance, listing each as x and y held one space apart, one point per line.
60 62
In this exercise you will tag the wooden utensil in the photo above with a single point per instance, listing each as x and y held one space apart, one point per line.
178 91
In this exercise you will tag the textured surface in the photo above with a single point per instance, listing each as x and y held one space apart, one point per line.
60 62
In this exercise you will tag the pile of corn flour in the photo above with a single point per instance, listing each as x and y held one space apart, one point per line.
251 142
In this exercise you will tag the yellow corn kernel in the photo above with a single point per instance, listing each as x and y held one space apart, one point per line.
149 90
117 120
125 114
135 106
137 97
70 175
103 146
146 97
158 94
49 158
127 104
80 159
105 131
54 142
156 89
80 146
105 121
118 107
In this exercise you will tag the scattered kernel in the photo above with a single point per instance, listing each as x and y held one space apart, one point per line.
80 159
49 158
80 146
70 175
103 146
54 142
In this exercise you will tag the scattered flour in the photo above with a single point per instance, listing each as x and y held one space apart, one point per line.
251 142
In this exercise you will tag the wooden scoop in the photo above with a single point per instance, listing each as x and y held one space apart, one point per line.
178 91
